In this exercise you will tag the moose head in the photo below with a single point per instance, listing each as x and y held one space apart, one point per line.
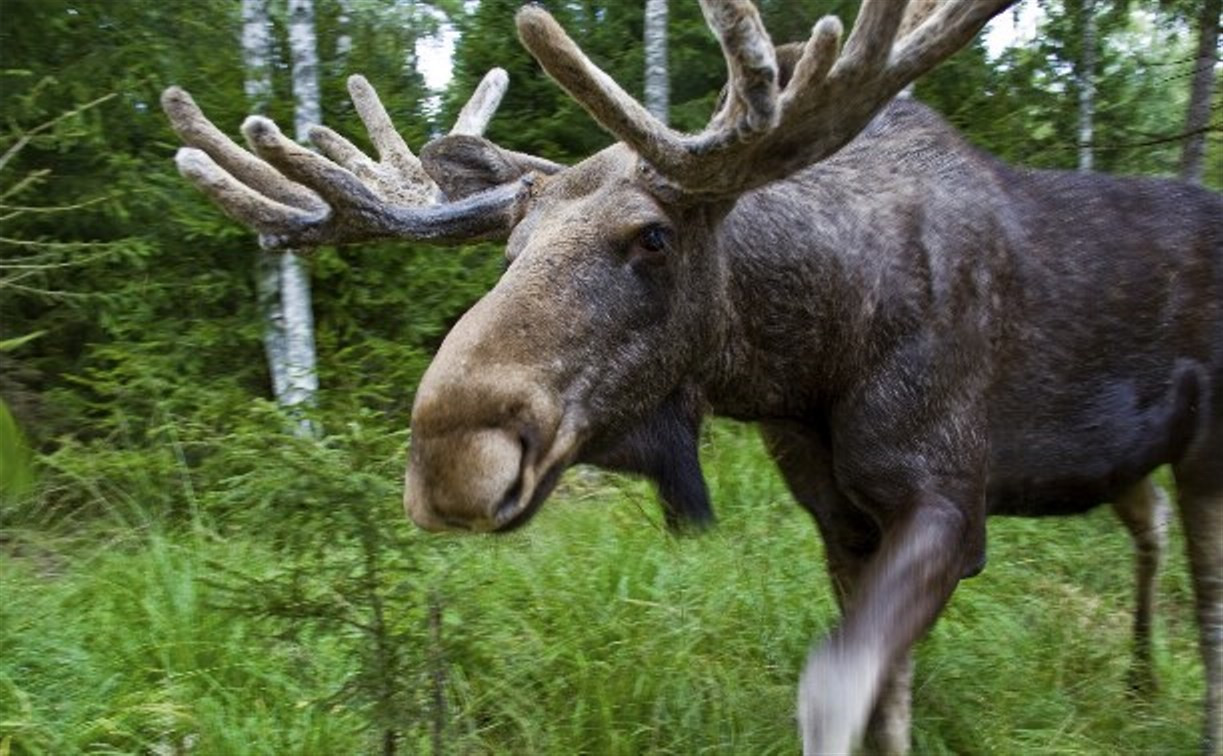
613 318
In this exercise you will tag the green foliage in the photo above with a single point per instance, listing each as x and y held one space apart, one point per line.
346 573
1022 106
115 646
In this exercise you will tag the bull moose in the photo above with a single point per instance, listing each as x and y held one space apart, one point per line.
925 335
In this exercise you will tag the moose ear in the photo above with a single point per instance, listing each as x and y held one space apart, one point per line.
463 165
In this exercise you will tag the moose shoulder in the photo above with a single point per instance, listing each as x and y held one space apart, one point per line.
926 335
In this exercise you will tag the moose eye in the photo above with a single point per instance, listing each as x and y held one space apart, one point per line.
650 246
654 239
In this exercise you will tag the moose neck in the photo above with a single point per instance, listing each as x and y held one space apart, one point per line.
789 312
825 272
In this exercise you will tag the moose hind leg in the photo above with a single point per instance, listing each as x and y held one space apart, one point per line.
1143 510
1201 507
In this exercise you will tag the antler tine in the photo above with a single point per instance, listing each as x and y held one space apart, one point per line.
942 33
819 55
870 41
593 89
337 185
751 62
474 117
194 128
242 203
296 198
391 148
751 108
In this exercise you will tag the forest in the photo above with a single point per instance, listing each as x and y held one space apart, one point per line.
203 547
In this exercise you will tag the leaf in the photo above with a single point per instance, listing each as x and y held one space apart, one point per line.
9 345
17 472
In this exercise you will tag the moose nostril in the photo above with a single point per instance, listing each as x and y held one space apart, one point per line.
510 502
528 438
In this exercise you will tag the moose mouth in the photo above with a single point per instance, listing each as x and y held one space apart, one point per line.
512 514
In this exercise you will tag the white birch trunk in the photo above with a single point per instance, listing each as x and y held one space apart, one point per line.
301 374
1193 154
256 52
1087 86
343 42
256 58
657 87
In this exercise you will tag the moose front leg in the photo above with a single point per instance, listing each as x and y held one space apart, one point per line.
887 730
897 598
851 537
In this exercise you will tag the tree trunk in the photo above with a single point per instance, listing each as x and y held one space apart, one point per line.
1193 154
301 374
657 88
256 58
1087 84
343 40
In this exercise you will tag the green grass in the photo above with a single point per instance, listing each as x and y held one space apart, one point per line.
112 647
591 631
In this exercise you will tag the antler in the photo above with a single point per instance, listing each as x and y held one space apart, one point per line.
763 132
296 198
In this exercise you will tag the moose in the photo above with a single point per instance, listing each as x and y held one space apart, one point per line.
925 335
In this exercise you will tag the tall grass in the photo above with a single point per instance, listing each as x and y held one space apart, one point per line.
112 646
592 631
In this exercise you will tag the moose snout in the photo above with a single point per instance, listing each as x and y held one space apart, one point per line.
466 479
479 450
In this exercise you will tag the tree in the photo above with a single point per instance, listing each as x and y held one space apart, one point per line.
256 57
657 89
301 371
1087 83
1197 118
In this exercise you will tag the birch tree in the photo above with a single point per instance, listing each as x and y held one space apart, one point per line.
301 374
256 59
657 89
1087 83
1197 119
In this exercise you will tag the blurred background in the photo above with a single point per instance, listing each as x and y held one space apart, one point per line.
202 546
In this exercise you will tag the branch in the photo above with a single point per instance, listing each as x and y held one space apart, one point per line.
25 138
1155 140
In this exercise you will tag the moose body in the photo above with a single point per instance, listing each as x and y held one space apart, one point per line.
925 335
1074 322
1067 327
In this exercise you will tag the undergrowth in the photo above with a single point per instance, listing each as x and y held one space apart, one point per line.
236 631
